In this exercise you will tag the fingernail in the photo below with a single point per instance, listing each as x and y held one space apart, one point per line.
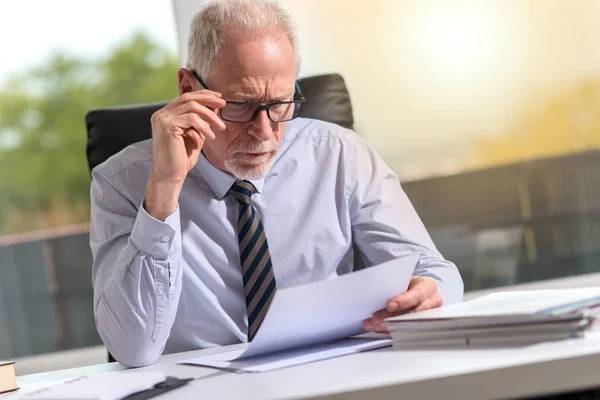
392 307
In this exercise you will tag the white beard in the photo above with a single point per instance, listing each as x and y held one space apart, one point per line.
246 171
242 166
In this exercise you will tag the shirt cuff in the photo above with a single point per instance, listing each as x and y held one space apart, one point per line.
156 238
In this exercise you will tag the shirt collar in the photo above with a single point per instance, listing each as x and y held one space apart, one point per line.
219 181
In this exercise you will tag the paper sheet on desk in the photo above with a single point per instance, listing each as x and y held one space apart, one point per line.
298 356
324 311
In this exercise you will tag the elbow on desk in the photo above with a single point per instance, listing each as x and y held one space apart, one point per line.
135 358
131 346
132 352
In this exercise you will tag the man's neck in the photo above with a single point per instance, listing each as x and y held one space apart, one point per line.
214 160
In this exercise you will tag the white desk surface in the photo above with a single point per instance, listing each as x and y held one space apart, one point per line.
384 374
389 374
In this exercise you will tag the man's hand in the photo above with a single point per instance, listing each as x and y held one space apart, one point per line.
179 131
422 294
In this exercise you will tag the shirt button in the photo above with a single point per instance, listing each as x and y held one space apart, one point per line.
164 239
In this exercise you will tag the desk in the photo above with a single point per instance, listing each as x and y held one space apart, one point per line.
385 374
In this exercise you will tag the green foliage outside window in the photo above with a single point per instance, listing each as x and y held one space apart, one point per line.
44 180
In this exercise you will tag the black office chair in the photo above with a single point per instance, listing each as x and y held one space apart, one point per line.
112 129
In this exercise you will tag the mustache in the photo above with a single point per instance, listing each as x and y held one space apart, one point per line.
254 146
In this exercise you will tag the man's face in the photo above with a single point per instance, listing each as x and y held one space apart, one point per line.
259 70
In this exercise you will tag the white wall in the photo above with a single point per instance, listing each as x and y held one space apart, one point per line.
428 77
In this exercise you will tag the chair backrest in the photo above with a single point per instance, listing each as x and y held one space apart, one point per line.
112 129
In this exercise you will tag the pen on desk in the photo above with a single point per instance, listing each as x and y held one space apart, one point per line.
162 387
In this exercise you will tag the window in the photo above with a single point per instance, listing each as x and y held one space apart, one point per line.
70 57
488 111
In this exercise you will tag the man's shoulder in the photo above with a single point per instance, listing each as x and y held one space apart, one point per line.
308 128
137 156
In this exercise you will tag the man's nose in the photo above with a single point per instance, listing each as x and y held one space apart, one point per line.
261 127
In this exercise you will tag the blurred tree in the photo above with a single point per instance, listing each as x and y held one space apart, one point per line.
44 181
567 123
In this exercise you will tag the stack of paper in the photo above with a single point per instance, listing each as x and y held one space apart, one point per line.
501 319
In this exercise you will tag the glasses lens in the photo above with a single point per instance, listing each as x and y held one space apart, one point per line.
244 112
281 112
235 112
285 111
297 108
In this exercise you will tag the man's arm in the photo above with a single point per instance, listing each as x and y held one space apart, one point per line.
137 247
136 274
385 225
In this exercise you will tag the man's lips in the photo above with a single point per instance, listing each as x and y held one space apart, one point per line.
255 155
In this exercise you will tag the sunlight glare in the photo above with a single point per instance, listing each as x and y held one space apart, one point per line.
458 40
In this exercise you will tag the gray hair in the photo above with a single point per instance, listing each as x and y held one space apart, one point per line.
252 16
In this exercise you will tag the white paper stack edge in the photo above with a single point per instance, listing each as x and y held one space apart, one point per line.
501 319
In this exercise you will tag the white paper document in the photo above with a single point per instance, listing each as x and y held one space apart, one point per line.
289 358
324 311
108 386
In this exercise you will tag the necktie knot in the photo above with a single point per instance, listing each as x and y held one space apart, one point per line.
242 191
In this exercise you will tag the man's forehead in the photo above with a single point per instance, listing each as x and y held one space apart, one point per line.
267 58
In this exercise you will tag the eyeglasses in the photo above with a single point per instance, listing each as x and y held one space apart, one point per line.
244 111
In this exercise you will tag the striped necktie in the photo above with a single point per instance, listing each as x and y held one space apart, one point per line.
259 281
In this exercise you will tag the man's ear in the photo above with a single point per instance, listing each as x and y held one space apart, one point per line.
185 80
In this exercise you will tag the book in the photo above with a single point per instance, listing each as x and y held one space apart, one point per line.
501 319
8 378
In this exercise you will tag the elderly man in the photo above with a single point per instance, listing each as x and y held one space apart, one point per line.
234 197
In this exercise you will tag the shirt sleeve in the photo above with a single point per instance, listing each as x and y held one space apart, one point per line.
135 273
386 226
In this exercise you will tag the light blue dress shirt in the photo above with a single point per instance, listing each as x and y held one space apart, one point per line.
177 285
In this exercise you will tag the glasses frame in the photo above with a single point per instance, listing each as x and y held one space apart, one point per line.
259 107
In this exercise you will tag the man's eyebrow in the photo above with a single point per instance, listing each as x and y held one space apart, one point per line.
239 96
245 97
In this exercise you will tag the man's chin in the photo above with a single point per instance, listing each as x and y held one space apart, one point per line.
249 170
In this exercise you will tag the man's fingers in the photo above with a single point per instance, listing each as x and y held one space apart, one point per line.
190 120
194 139
208 114
369 326
420 289
421 295
376 322
380 315
405 301
434 301
201 102
199 96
